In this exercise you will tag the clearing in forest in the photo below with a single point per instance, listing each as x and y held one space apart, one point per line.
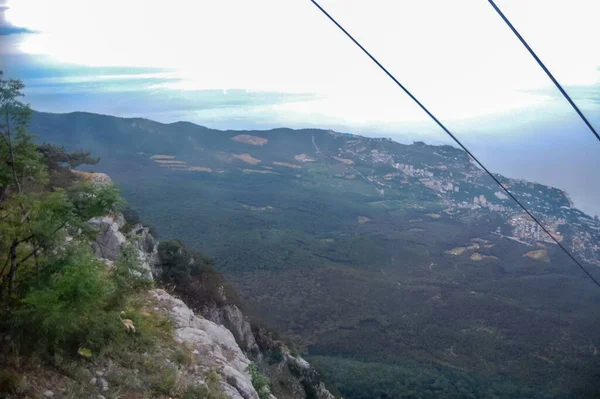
540 254
248 139
249 159
287 165
199 169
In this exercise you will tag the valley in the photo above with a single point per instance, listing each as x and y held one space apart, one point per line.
400 266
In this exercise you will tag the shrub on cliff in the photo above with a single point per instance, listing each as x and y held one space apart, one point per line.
192 276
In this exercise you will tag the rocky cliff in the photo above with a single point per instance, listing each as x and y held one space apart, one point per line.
212 347
294 376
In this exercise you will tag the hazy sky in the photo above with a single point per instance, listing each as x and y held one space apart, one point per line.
266 63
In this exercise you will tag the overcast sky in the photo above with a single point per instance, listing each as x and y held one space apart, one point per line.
266 63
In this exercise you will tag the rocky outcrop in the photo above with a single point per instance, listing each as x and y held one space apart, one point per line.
213 345
296 377
147 249
307 378
110 239
232 318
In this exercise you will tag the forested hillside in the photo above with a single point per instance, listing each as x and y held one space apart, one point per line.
398 268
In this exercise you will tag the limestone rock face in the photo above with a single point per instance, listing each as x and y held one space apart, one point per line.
301 380
109 240
231 317
323 393
214 345
146 247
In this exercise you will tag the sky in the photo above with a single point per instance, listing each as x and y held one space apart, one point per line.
271 63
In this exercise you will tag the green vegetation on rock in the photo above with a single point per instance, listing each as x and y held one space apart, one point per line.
260 382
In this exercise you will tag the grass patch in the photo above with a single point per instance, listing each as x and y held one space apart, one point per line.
164 382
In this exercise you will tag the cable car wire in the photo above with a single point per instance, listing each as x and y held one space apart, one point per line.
458 142
541 64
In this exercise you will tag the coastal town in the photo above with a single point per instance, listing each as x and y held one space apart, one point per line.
461 185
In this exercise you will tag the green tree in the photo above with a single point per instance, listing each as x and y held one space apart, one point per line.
19 167
259 382
67 307
35 220
60 162
56 157
192 276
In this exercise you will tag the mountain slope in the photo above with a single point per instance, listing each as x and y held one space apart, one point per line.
366 249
